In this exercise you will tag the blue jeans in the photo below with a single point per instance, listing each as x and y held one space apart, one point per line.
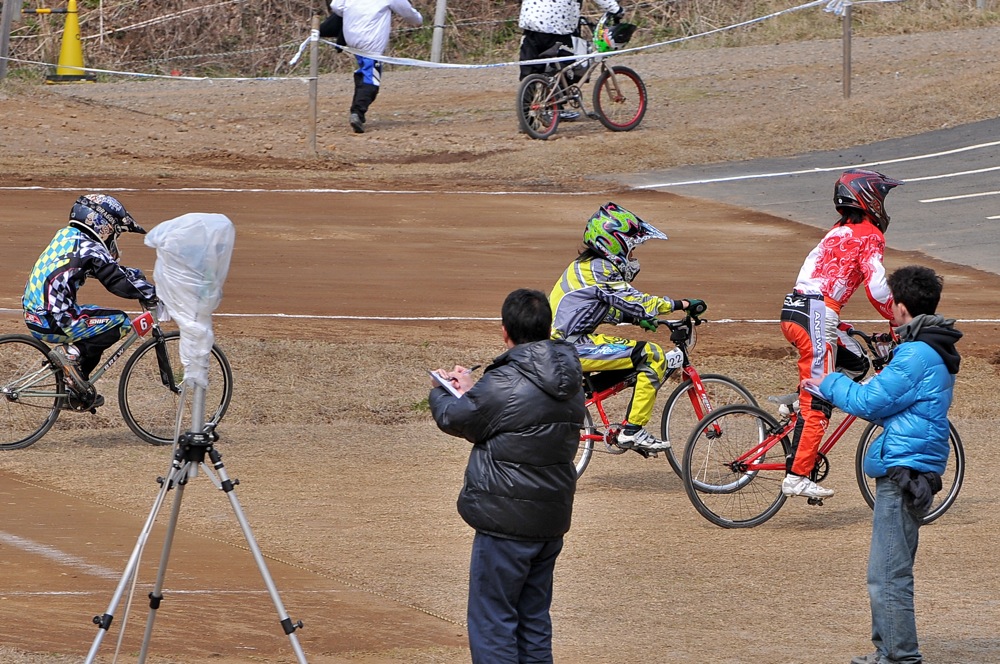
510 592
895 533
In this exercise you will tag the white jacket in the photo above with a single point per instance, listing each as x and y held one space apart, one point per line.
367 22
557 17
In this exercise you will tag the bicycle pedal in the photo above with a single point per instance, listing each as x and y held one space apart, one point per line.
592 115
815 501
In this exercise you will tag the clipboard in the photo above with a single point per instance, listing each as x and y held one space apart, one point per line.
445 383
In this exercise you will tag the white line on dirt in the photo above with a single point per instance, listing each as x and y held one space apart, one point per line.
766 321
57 556
168 591
231 190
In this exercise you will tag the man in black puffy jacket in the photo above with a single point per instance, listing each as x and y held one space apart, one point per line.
524 419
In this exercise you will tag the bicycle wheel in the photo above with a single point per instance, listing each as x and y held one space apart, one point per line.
150 408
682 411
620 109
586 449
725 492
30 391
951 479
537 112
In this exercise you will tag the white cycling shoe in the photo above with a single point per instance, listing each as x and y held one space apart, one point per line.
640 439
796 485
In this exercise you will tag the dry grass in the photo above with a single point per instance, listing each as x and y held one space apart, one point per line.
370 383
258 39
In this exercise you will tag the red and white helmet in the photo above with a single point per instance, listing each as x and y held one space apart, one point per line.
864 190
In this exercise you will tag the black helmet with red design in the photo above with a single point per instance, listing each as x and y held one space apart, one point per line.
860 189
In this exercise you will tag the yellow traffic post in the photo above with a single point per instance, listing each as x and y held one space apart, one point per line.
70 68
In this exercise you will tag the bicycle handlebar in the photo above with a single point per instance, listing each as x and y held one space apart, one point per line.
880 357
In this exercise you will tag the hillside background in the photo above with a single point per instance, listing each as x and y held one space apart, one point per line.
244 38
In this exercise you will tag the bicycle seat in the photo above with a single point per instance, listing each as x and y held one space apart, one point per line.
784 399
597 381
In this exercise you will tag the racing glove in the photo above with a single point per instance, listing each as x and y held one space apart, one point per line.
696 307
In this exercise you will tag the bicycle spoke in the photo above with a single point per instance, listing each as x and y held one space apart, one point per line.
29 392
150 408
680 415
724 490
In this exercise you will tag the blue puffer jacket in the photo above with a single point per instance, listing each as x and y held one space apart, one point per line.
909 398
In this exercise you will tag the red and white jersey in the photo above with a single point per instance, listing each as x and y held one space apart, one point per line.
847 257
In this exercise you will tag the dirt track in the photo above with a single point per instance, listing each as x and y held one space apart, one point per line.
361 497
348 485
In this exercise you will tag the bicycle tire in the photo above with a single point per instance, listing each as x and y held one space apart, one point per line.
32 390
537 112
586 450
725 496
951 479
149 407
622 110
680 417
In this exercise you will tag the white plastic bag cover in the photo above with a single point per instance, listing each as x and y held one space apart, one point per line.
192 261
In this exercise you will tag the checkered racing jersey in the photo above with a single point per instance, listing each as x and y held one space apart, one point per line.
591 291
63 267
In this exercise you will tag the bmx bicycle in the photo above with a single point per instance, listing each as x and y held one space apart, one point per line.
619 97
696 396
33 390
734 461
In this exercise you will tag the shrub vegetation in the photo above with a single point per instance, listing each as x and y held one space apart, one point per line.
242 38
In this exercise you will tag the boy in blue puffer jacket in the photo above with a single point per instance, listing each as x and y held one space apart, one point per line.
910 399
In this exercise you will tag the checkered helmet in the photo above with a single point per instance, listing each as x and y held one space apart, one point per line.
104 218
613 232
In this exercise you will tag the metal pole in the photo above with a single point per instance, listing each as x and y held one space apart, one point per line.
313 80
438 35
847 51
9 7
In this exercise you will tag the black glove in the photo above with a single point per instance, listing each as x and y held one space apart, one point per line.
696 307
619 15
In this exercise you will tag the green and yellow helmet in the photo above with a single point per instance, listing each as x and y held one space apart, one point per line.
613 232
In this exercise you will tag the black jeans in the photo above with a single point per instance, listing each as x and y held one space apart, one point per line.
533 44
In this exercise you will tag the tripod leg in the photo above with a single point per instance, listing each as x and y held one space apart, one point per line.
104 621
156 595
286 623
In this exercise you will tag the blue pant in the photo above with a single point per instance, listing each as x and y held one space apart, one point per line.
510 591
895 532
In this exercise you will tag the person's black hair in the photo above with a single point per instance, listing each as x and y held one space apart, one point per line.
851 216
588 252
526 316
916 287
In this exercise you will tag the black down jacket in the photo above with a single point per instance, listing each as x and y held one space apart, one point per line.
523 418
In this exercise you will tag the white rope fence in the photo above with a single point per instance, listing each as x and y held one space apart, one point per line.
837 7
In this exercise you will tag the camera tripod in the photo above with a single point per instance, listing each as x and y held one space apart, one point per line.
189 456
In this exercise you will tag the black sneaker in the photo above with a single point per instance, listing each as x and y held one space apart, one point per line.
357 123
